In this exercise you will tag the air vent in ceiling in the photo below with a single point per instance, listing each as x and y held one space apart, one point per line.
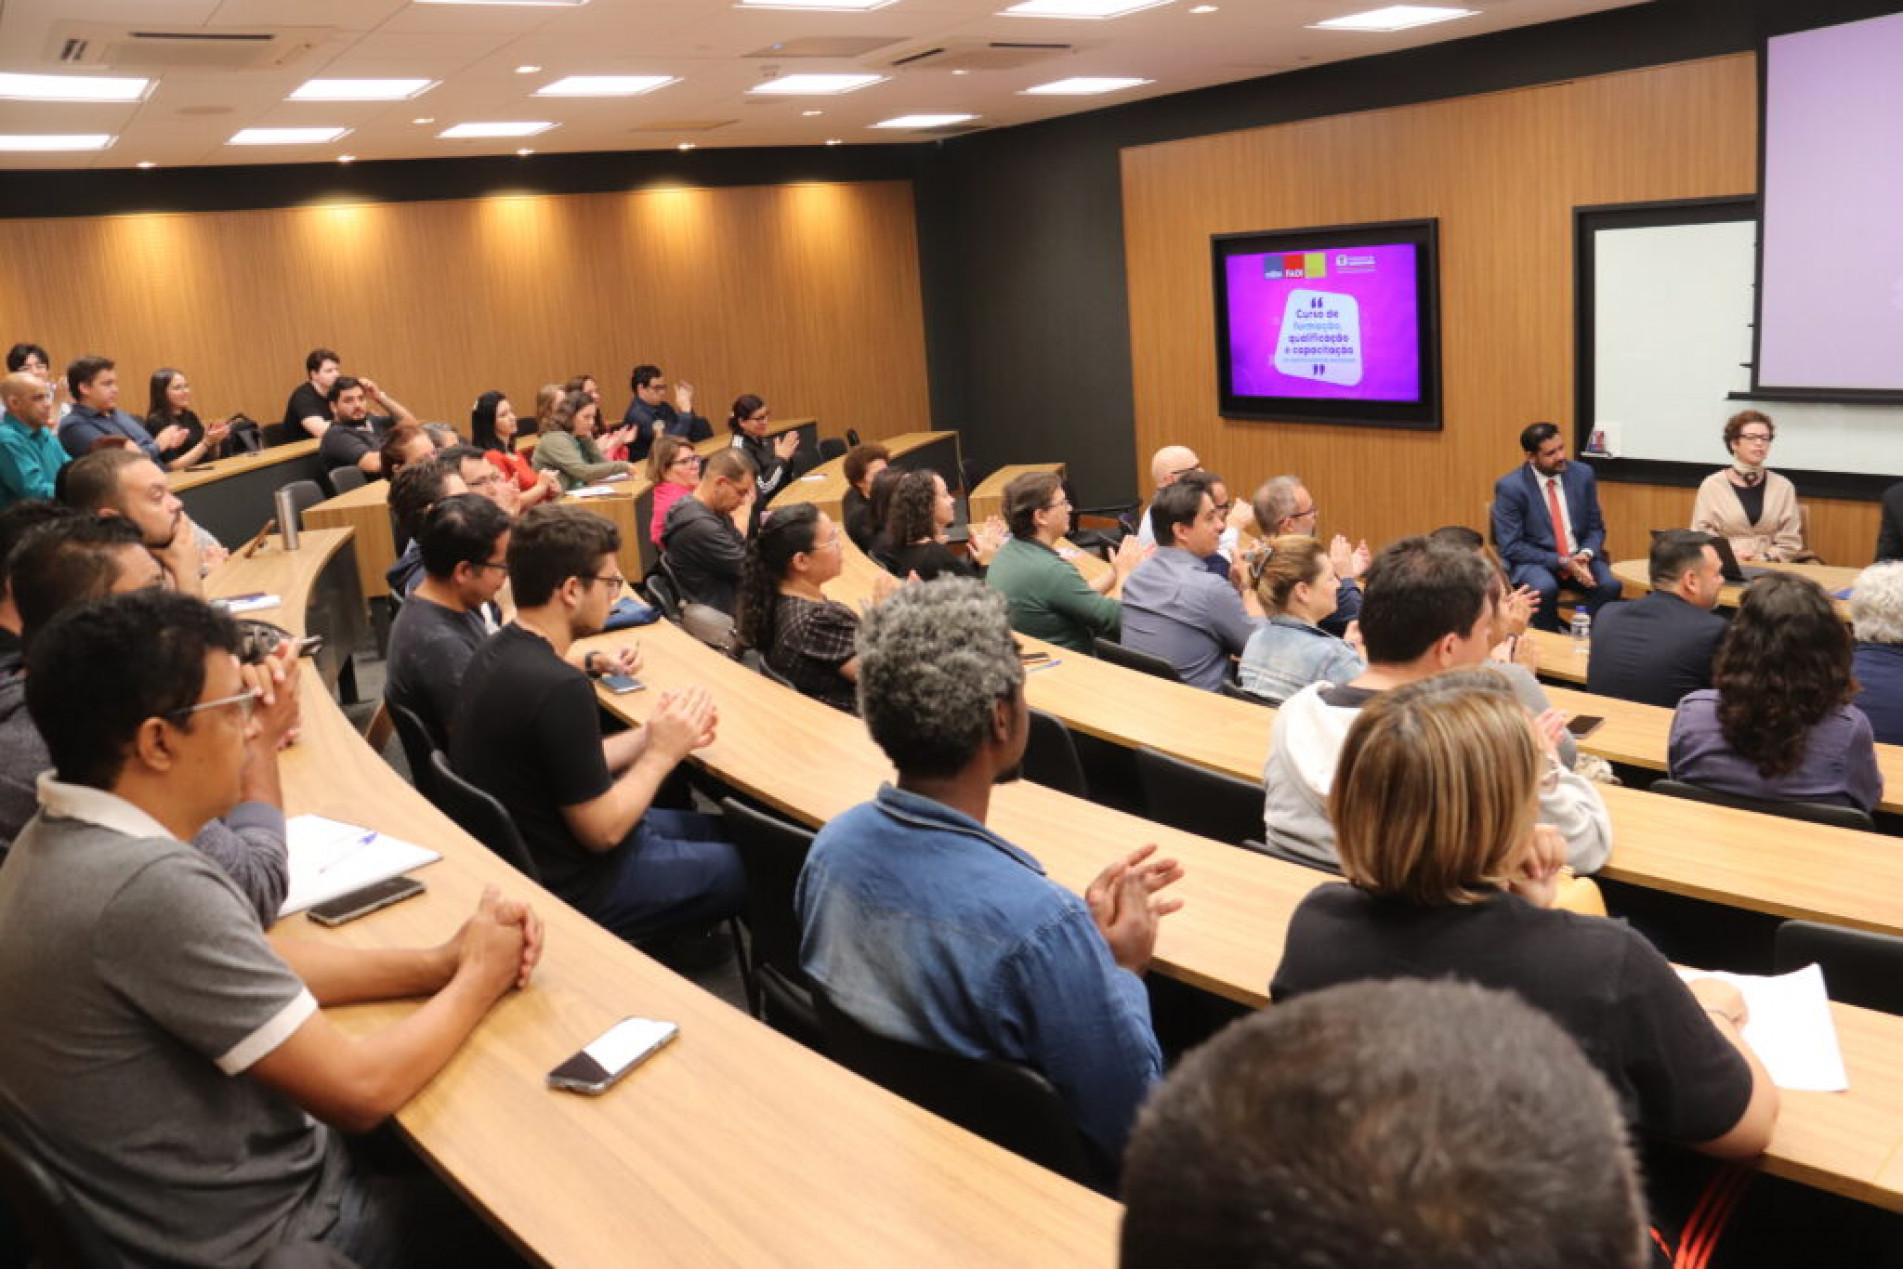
122 47
825 46
979 55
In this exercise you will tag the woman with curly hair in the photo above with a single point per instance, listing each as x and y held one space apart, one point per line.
783 614
568 447
1778 723
916 520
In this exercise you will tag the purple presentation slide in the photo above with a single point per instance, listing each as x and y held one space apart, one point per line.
1342 323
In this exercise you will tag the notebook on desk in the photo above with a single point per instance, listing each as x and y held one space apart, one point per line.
331 858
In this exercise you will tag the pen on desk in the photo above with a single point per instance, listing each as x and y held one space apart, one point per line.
1043 665
354 847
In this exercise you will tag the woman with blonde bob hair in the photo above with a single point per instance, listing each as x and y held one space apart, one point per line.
1435 805
1295 582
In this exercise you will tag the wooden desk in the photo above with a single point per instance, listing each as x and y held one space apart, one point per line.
1635 573
1237 904
232 497
735 1145
1561 658
987 499
825 486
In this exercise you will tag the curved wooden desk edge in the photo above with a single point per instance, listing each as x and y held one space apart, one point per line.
224 468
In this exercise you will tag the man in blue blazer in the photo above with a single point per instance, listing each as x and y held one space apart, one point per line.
1533 507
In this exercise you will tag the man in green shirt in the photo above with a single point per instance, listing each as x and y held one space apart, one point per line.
1049 598
30 454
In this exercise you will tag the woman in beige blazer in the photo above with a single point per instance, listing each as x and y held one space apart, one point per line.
1755 508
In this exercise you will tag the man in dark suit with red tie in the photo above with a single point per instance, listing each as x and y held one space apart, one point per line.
1547 527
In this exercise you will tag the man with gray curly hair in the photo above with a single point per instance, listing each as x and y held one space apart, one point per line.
927 928
1876 618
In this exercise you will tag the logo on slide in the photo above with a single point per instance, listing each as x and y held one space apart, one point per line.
1301 264
1321 338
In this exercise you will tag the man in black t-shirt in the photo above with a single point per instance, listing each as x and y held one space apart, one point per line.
355 436
464 546
527 732
308 410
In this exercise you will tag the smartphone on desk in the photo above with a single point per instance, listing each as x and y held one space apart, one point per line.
622 684
611 1055
360 903
1583 725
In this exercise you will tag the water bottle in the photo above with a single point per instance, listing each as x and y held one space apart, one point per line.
287 518
1582 631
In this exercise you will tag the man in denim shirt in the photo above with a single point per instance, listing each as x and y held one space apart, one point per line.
929 929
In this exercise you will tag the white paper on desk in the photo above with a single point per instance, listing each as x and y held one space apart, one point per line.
1790 1028
256 603
613 476
592 491
818 475
331 858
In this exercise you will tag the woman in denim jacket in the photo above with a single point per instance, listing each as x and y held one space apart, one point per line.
1296 584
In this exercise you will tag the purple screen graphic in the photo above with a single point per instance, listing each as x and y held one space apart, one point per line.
1342 323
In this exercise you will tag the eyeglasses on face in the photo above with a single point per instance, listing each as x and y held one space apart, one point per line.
614 581
242 702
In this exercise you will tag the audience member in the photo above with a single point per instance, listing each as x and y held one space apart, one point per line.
309 407
417 488
1777 722
547 397
1386 1125
30 452
927 928
1876 618
1428 608
651 417
917 521
1284 506
863 464
527 731
96 417
492 429
1756 509
35 360
1047 597
169 405
1295 583
16 521
403 444
567 444
879 492
1659 647
673 471
84 557
463 544
1173 607
586 385
783 613
123 482
480 476
775 458
1547 526
355 434
703 546
1167 466
442 435
1222 561
1435 806
163 1016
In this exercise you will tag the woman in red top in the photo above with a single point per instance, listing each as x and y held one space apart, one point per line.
493 426
673 470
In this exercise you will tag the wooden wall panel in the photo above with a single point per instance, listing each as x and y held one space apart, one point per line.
1502 173
805 294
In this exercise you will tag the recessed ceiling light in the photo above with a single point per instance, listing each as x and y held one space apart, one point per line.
361 89
462 131
424 119
1084 86
923 121
50 141
1204 8
685 146
1078 8
525 151
815 85
836 6
1396 17
286 136
961 71
346 158
145 163
833 141
808 114
605 85
527 70
72 88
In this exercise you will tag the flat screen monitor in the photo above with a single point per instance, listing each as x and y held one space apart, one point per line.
1330 325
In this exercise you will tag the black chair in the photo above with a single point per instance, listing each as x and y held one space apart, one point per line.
1050 756
1860 968
662 594
852 436
831 447
753 660
971 474
481 816
1289 857
773 851
278 434
1198 800
305 494
414 735
1010 1105
1130 659
344 479
57 1229
1809 812
1235 690
886 561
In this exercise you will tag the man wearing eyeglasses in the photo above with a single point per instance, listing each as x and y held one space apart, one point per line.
1284 505
527 732
651 416
703 546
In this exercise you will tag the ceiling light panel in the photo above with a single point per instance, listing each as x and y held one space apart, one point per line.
361 89
1094 9
819 6
286 136
72 88
48 143
814 85
463 131
514 4
605 85
924 121
1085 86
1395 17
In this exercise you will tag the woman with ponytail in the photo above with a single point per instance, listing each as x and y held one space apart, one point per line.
774 461
784 615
